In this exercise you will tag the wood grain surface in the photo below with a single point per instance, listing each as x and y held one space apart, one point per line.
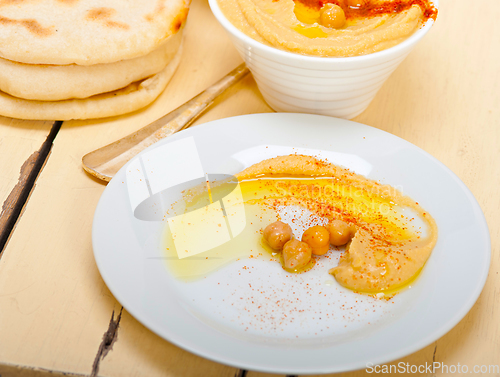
57 316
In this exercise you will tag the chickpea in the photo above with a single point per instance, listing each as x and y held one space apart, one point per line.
340 232
318 238
332 16
277 234
296 254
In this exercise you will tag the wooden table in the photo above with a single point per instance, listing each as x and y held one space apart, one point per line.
57 316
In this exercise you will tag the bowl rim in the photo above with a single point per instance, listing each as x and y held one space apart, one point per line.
407 43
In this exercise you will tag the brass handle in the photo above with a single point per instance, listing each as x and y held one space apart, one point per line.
104 163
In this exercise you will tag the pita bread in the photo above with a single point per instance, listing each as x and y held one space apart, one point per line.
133 97
60 82
86 32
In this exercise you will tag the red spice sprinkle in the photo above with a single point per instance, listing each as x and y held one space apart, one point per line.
373 8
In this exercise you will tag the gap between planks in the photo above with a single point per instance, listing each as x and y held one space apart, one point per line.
108 339
13 206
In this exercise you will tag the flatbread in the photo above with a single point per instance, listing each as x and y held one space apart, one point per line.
60 82
133 97
86 32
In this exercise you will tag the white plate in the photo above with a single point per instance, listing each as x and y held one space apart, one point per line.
250 314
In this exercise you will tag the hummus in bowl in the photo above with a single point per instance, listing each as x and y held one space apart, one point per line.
302 66
329 28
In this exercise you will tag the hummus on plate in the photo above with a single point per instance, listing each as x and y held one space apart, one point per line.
335 28
394 234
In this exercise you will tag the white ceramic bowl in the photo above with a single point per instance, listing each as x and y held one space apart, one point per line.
341 87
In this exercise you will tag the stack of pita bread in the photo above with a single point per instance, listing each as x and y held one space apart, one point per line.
81 59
